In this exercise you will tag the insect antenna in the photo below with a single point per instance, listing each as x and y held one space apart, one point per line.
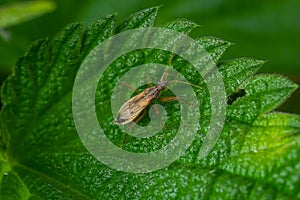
174 80
187 83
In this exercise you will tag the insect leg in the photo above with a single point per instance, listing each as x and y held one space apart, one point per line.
148 81
124 140
163 76
171 58
135 121
172 98
168 99
158 113
123 83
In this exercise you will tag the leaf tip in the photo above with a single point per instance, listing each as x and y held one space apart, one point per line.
296 86
143 18
159 6
263 61
181 25
113 15
259 62
228 43
153 9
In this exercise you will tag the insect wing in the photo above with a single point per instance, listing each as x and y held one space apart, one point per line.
132 108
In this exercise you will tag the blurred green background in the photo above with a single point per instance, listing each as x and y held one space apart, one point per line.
267 30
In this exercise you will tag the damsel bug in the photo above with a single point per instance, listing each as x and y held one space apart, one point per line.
132 110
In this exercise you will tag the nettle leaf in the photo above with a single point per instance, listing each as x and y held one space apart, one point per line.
144 18
214 46
42 157
263 93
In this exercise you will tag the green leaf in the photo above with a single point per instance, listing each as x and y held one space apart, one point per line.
236 71
42 157
267 152
263 94
181 25
95 33
143 18
214 46
16 13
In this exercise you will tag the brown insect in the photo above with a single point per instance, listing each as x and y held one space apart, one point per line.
132 110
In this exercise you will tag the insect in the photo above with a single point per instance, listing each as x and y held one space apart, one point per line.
132 110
